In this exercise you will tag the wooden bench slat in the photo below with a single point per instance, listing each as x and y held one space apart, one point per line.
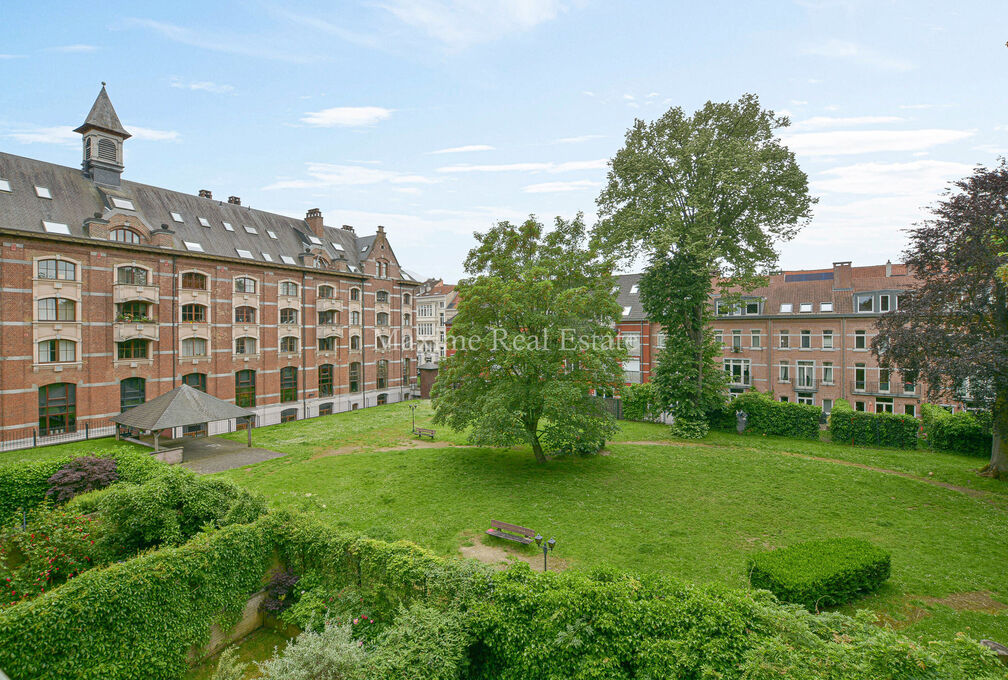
510 537
514 528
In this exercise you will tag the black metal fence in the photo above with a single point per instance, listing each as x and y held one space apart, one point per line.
30 437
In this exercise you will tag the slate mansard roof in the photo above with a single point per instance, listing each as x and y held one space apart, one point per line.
76 198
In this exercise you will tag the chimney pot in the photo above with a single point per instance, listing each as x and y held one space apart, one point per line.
888 268
314 220
234 200
348 227
205 193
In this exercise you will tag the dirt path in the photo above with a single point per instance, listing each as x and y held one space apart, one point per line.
499 557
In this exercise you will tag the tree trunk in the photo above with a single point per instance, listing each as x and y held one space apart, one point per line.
532 427
537 450
700 350
998 465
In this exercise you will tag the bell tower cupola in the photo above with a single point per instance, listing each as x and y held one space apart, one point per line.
103 142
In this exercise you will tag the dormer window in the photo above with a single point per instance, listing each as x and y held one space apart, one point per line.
124 236
42 192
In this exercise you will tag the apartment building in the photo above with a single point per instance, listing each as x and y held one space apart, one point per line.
806 337
113 292
435 305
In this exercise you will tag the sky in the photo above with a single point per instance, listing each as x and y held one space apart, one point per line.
437 118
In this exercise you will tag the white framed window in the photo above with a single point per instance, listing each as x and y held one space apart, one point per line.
865 303
805 307
754 338
738 372
194 246
827 405
806 398
271 233
123 203
247 254
827 373
42 192
860 340
827 339
250 230
786 308
55 227
177 217
736 340
193 347
204 222
883 303
806 339
752 307
5 185
227 226
719 338
825 306
784 372
784 340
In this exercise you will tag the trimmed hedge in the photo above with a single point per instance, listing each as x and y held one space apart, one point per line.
820 573
847 426
23 484
766 416
640 403
961 432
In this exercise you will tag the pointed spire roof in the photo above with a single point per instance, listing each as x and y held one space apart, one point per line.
103 117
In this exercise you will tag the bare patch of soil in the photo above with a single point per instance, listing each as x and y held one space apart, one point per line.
341 451
500 557
976 601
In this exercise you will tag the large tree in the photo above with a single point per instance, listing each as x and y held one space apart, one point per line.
534 340
704 197
951 330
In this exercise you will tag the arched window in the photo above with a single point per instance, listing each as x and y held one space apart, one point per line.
245 345
382 319
288 288
406 319
382 373
406 342
354 342
56 351
245 314
288 344
133 349
355 318
57 309
288 315
325 380
131 276
327 344
193 313
133 311
194 281
355 377
245 388
355 293
132 392
57 269
288 415
57 408
381 296
195 380
244 284
406 298
326 292
194 347
124 236
328 318
288 384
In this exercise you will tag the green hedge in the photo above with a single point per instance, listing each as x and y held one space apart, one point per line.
847 426
23 484
640 403
961 432
766 416
820 573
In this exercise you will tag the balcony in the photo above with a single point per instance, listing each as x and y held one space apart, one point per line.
885 389
123 330
805 384
122 292
328 304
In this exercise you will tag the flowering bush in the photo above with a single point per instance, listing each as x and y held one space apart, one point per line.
55 546
81 475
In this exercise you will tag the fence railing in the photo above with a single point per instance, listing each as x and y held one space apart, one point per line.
885 389
30 437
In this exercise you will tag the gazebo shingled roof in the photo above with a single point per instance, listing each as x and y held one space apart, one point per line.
182 406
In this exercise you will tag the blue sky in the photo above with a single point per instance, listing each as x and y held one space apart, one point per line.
436 118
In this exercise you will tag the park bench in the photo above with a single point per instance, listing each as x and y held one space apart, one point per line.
511 532
424 432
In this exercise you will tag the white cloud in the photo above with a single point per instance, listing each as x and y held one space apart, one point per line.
73 49
461 23
13 56
922 179
201 85
844 142
857 53
652 94
149 135
548 166
552 187
215 40
346 116
66 135
799 102
628 97
921 107
465 149
587 93
322 175
819 122
577 140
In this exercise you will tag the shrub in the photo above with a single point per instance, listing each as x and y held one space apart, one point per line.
687 428
640 402
229 667
278 591
961 432
423 643
766 416
820 573
847 426
81 475
332 654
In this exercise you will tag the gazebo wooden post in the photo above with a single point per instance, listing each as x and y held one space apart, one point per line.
156 441
249 429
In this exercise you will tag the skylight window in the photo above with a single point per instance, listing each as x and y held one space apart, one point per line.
825 306
786 308
267 257
178 218
271 233
805 307
626 311
204 221
337 247
194 246
633 289
56 227
4 185
363 248
42 192
316 240
123 203
247 254
227 226
250 230
287 259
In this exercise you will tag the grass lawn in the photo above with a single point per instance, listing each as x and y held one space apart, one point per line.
692 509
257 646
88 447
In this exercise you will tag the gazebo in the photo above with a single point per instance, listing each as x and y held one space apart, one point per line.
182 406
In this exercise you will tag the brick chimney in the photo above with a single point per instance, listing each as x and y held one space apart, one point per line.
888 268
842 276
163 237
314 220
234 200
349 228
205 193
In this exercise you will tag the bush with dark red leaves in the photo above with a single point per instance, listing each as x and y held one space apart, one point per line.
280 591
80 476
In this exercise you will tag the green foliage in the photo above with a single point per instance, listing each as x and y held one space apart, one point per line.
847 426
533 341
23 484
769 417
640 402
685 428
423 644
229 666
55 546
329 654
961 432
81 475
823 573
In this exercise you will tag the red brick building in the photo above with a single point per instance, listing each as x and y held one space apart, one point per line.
806 337
113 292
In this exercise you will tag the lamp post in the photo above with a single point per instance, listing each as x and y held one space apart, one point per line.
547 546
412 408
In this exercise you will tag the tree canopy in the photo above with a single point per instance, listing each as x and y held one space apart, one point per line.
533 341
951 330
